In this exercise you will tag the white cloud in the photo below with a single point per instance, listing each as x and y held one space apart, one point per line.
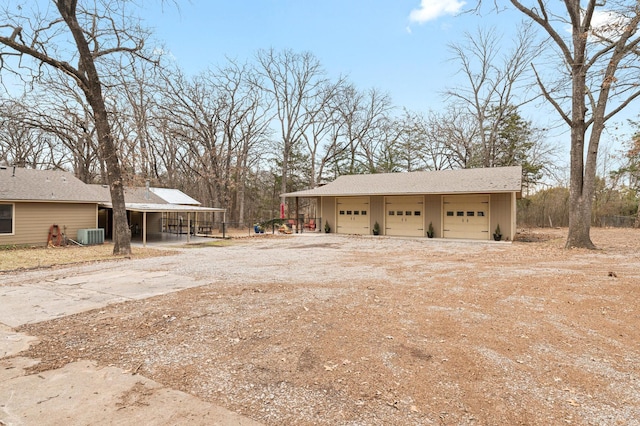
608 23
433 9
605 23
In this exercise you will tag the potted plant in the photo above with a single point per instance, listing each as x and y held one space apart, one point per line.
327 228
376 228
497 235
430 231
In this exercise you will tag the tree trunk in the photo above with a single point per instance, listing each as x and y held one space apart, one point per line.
580 190
92 89
579 222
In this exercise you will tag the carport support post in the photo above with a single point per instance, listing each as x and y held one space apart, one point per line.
297 216
144 229
188 226
514 218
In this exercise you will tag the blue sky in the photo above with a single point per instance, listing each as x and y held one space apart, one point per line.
397 46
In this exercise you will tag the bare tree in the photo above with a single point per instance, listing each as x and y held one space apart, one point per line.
494 85
628 172
363 116
414 146
453 135
321 138
213 124
132 106
21 143
60 110
294 82
190 110
601 63
85 34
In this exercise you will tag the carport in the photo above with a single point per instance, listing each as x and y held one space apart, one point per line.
149 208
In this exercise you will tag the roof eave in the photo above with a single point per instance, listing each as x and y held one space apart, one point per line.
304 194
165 208
42 200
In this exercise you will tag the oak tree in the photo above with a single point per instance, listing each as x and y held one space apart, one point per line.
75 38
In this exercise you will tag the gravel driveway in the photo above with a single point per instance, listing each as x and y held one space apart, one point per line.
324 329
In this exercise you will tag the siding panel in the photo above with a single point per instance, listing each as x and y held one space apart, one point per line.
501 214
377 212
433 214
33 220
328 213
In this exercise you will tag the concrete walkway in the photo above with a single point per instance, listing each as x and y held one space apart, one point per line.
82 393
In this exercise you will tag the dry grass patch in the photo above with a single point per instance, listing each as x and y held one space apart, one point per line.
40 257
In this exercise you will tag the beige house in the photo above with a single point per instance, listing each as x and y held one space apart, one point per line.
467 203
33 201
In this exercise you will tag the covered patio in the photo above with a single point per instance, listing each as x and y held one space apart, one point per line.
155 221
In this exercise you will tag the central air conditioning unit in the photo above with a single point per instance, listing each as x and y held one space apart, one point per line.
89 237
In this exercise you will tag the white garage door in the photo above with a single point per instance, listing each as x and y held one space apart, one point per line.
466 216
353 215
404 216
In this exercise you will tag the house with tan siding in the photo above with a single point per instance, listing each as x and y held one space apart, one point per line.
32 201
459 204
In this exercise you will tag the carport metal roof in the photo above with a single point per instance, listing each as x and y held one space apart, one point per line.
164 208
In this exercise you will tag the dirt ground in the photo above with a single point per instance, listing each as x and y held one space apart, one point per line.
381 331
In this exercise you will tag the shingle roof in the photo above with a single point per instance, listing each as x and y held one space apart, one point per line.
132 194
43 185
463 181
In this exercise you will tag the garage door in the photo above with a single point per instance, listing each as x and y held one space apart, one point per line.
466 216
353 215
404 216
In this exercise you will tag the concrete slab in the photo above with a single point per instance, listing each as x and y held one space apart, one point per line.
12 343
140 285
81 394
54 298
23 305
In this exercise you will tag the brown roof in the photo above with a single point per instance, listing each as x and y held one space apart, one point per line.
463 181
21 184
